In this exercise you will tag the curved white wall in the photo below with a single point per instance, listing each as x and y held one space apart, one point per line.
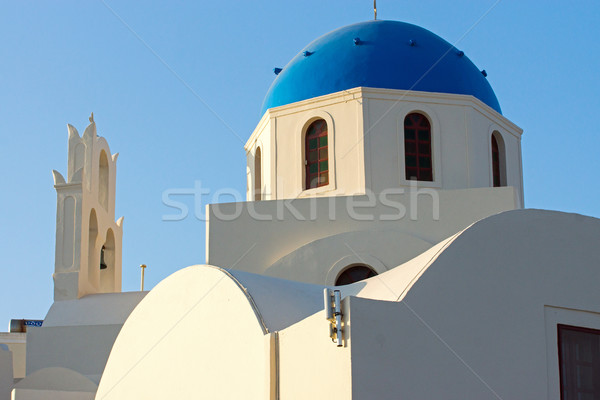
480 322
269 238
195 335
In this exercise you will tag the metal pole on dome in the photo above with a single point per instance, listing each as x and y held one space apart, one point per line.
375 9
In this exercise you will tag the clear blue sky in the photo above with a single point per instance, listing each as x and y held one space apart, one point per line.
59 61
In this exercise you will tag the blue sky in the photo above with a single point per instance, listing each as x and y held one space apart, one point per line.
62 60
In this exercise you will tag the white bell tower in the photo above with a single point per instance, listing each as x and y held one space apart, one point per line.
88 240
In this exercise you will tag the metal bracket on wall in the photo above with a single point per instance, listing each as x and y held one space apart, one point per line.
333 313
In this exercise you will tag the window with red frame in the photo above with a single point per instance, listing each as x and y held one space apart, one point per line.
317 159
417 147
495 162
579 362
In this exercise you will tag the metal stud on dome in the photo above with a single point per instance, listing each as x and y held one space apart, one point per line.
412 42
307 53
277 70
460 53
483 72
357 41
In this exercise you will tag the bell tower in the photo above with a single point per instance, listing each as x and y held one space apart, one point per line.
88 240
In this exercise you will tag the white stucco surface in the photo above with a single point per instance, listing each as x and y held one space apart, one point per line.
94 309
204 324
394 285
428 328
366 145
326 258
311 366
6 372
85 329
16 343
83 348
307 246
55 384
32 394
476 323
189 336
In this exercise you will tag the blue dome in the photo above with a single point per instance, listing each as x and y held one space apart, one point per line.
387 54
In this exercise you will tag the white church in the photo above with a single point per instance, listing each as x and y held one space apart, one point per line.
383 252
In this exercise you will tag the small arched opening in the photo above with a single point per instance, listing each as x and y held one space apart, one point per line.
103 181
107 264
257 175
498 160
93 255
354 273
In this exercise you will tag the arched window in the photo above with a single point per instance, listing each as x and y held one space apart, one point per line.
103 181
417 147
257 175
495 162
107 264
354 273
93 259
102 261
316 152
498 161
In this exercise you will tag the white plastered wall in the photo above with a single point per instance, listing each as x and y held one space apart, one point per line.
195 335
55 384
6 372
282 131
480 322
311 366
366 145
16 343
263 138
84 329
461 128
472 319
270 239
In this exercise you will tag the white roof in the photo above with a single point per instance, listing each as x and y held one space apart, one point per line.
95 309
